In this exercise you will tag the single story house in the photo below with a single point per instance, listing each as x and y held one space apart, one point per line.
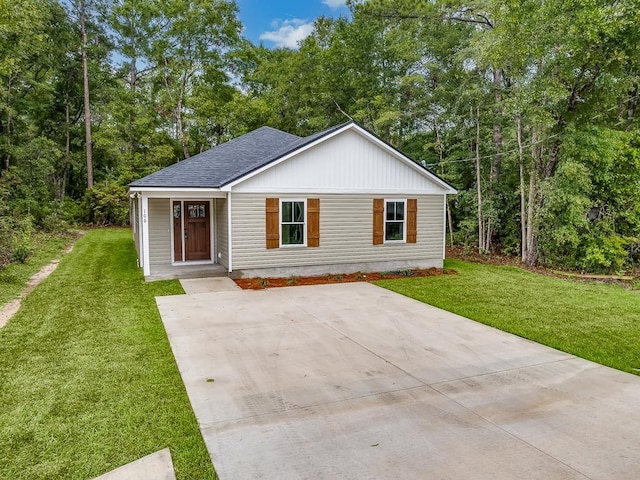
270 203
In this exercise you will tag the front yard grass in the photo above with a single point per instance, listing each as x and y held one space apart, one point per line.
595 321
14 278
87 378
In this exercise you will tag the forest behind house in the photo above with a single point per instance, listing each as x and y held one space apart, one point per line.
528 108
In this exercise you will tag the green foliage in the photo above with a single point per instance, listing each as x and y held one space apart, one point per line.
15 239
607 254
442 81
106 205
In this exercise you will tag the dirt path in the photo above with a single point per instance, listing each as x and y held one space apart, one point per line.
10 309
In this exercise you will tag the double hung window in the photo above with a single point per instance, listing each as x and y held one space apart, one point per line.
292 222
394 220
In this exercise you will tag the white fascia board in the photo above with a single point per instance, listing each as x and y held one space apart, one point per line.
447 188
182 192
343 191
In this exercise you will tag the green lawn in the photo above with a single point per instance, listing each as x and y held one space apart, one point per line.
87 378
14 278
593 321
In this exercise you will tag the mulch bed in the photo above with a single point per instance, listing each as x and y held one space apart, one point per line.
260 283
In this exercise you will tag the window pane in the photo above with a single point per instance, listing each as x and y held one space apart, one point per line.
293 234
399 210
287 214
298 211
391 210
394 231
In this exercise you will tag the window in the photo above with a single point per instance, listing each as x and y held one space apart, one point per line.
292 222
394 220
196 211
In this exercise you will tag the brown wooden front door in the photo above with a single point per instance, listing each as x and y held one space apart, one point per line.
197 231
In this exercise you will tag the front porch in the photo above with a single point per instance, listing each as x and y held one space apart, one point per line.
169 272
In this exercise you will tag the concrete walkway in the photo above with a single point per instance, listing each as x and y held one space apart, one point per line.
208 285
353 381
157 466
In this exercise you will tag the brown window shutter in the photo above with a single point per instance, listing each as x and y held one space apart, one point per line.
273 222
412 220
378 221
313 222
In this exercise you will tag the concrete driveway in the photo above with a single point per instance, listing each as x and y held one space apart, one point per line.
353 381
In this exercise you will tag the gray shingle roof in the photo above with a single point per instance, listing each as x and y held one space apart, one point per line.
231 160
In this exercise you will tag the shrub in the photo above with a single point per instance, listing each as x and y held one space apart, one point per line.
106 205
15 239
21 253
608 254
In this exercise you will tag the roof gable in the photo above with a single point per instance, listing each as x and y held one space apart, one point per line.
348 159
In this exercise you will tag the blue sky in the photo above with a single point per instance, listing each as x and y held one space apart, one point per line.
283 23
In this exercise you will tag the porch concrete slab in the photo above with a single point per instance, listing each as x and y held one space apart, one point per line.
353 381
157 466
208 285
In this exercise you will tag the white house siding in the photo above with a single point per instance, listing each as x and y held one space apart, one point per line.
222 231
348 163
346 234
159 232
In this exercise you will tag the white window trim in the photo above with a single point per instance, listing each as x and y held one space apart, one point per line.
404 222
304 224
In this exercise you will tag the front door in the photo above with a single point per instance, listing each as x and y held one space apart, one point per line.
197 231
191 231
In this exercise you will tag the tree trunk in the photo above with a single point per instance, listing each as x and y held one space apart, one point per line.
523 203
87 108
632 104
496 164
440 148
7 157
133 80
481 239
532 240
181 135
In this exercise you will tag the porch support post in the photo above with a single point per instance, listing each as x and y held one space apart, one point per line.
229 231
144 214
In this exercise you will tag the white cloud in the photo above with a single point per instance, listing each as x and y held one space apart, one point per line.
335 3
289 33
